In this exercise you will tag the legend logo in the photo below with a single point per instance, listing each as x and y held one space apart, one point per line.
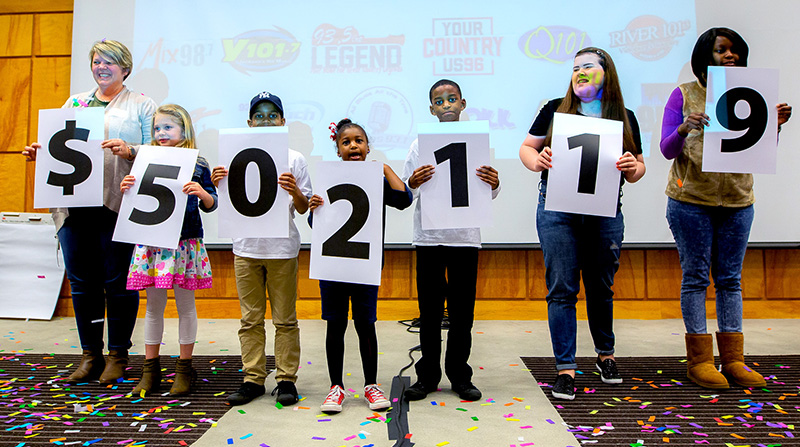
462 46
344 50
649 38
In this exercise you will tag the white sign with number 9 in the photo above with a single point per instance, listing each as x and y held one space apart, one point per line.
743 120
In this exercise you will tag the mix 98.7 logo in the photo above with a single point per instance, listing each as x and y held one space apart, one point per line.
261 50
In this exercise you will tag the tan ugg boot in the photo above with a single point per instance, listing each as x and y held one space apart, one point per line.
731 355
115 366
700 355
151 377
184 377
90 368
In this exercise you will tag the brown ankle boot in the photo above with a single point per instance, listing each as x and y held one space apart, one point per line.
115 366
151 377
731 355
90 368
184 377
700 355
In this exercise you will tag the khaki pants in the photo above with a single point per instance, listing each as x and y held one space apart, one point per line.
254 278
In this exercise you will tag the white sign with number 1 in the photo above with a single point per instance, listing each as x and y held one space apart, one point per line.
584 178
743 120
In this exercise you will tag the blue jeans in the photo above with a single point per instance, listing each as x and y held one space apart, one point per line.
97 269
710 238
576 245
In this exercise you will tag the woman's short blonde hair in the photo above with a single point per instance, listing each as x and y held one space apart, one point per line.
180 116
115 52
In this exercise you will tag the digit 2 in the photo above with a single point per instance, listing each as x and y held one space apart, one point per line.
339 244
590 154
755 123
269 182
457 154
165 197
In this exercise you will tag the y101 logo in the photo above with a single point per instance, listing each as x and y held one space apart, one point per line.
261 50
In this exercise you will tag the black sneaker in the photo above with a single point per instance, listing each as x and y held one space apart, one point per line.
417 391
564 388
287 393
467 391
608 371
247 392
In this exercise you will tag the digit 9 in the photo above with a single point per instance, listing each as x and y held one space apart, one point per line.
755 123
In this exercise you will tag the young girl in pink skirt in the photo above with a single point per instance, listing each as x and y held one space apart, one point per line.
184 269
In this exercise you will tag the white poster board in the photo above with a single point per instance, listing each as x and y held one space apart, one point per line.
743 120
31 266
152 210
455 197
347 236
69 166
251 203
584 178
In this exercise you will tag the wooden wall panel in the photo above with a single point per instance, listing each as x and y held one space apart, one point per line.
629 282
536 284
23 6
753 275
53 35
15 91
12 181
663 274
501 274
396 275
17 35
50 85
784 269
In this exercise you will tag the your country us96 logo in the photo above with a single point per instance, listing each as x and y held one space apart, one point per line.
261 50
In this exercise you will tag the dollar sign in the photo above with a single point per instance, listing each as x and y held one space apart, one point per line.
80 161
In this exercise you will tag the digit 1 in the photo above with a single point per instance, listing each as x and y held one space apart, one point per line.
339 244
755 123
457 154
590 154
268 188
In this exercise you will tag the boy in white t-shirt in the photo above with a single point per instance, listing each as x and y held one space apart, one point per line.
270 265
447 268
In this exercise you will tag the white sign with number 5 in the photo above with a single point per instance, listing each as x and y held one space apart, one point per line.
584 178
743 120
152 211
455 197
347 239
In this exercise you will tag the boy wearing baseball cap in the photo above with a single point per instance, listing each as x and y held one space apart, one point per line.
270 265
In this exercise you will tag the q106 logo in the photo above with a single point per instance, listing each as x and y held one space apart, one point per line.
261 50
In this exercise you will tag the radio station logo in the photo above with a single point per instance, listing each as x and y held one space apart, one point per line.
261 50
499 119
556 44
462 46
649 38
386 114
345 50
166 53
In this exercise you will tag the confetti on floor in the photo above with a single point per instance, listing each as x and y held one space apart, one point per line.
657 405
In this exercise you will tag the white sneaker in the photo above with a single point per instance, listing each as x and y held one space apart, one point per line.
333 403
375 398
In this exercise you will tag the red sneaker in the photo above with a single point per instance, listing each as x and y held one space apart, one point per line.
375 397
333 403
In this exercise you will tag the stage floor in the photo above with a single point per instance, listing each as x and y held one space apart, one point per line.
513 411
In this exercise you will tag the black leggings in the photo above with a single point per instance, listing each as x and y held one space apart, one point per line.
367 345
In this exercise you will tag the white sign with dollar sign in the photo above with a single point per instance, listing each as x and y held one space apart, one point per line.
69 166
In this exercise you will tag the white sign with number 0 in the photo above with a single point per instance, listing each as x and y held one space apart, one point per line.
743 120
584 178
251 203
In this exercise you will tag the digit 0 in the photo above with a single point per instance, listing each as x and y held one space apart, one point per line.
339 244
755 124
268 188
457 154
